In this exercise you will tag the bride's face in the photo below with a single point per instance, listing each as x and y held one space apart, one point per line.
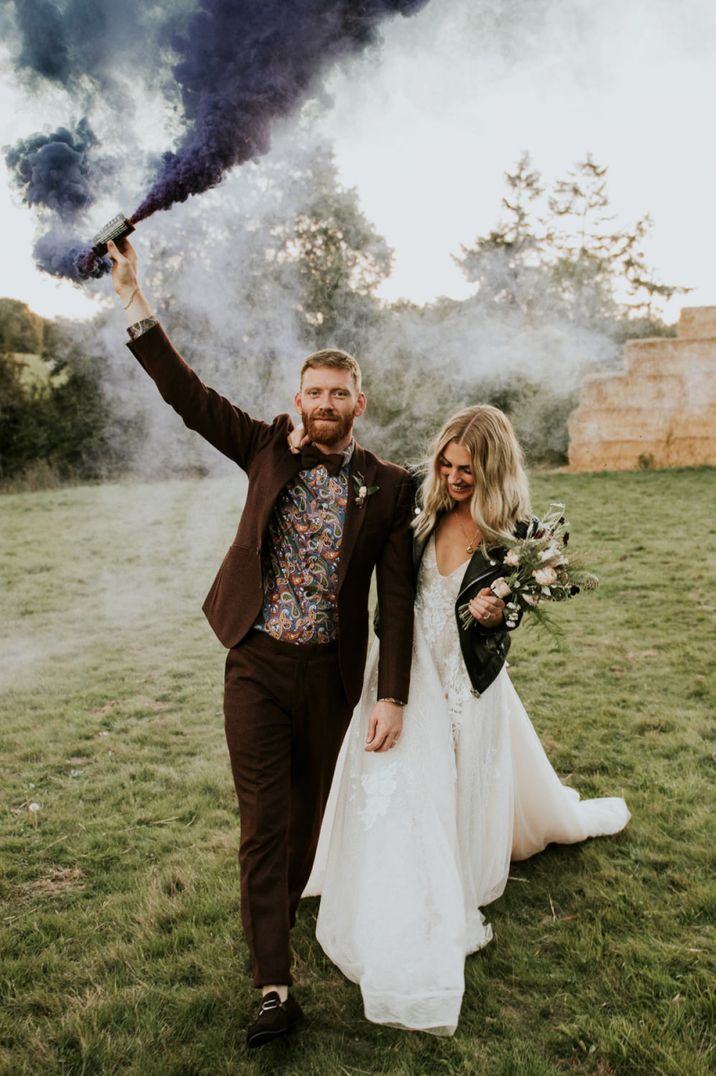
456 472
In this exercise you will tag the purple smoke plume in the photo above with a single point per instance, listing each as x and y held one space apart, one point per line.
44 47
54 170
245 63
73 41
60 255
241 65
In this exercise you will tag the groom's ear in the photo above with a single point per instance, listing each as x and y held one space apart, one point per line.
297 401
361 404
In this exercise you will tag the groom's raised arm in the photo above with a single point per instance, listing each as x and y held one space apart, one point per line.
231 430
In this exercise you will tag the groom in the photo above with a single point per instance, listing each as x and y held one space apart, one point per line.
290 602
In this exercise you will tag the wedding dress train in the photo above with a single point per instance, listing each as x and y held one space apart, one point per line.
415 840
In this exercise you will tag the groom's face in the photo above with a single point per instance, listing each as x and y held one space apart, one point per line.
328 402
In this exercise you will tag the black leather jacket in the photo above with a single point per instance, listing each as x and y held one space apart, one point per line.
484 650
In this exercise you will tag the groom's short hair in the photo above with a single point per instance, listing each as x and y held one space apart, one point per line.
338 360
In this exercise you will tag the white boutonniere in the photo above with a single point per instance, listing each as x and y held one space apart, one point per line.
362 491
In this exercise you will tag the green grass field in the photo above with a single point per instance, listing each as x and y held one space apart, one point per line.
120 942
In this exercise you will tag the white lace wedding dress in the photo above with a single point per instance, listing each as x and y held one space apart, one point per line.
415 840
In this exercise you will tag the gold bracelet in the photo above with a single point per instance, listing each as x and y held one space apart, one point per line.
396 702
131 298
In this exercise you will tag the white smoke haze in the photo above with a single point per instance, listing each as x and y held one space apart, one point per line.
455 93
467 85
518 59
198 265
501 65
121 558
248 344
232 317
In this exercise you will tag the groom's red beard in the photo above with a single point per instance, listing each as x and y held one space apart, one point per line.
327 428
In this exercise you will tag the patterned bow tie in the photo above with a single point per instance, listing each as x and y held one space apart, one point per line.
311 456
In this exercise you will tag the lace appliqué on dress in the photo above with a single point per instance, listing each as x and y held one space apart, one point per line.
372 779
435 606
378 789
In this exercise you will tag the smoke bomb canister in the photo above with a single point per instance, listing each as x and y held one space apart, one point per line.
117 228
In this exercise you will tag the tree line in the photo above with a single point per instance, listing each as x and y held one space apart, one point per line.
294 265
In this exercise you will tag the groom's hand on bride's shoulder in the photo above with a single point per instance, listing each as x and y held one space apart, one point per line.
297 438
384 726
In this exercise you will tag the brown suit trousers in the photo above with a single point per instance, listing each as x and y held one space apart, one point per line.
285 713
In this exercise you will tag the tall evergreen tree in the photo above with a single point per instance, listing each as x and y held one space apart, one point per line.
507 264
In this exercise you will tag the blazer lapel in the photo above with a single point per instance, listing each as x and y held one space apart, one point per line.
277 471
419 547
285 467
360 465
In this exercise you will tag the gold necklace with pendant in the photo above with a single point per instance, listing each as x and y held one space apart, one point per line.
471 546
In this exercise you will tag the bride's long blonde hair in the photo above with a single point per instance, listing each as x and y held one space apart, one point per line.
501 497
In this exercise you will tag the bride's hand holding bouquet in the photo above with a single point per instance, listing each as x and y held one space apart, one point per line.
539 570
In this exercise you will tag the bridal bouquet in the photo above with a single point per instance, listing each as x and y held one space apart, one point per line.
539 570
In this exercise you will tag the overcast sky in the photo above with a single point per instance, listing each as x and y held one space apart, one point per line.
426 126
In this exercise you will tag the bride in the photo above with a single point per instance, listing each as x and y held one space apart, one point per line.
417 839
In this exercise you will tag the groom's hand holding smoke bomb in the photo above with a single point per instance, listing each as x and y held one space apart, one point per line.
125 283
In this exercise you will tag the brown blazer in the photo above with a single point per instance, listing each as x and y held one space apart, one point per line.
377 535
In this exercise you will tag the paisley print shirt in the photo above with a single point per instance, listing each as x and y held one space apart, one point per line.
301 554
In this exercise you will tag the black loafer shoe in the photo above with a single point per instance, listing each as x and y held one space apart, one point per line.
275 1018
294 1010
